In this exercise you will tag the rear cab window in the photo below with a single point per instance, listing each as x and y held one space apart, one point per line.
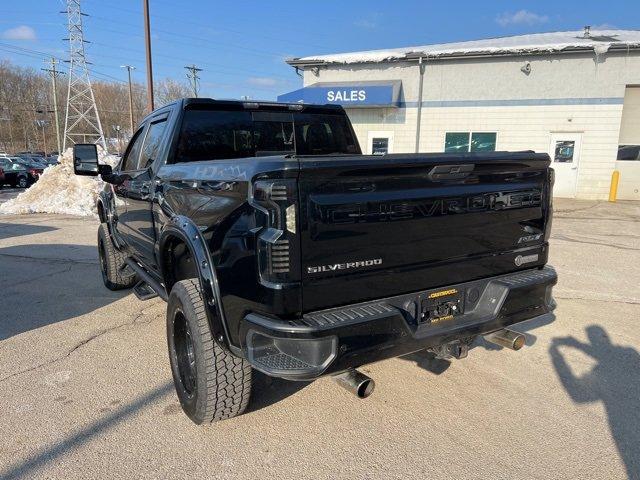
208 134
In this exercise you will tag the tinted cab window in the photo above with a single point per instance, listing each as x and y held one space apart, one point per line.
220 134
152 144
208 135
323 135
132 155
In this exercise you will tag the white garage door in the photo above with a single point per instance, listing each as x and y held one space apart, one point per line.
628 163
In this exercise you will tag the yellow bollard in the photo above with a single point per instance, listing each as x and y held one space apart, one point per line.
613 190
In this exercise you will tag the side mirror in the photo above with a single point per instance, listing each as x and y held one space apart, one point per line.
106 172
85 159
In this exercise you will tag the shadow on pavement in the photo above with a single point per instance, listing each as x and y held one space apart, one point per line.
522 327
51 454
10 230
614 381
428 361
267 391
45 284
268 394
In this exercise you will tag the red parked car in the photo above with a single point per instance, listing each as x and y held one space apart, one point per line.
34 168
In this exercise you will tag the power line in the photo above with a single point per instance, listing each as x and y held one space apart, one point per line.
289 26
42 55
191 39
215 67
106 77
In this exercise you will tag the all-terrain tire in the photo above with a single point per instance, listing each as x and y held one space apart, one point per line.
211 383
111 262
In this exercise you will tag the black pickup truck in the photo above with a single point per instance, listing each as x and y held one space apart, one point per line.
280 247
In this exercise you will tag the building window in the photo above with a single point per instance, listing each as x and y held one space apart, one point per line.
380 146
629 152
463 142
564 151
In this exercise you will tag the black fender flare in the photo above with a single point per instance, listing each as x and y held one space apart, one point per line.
105 200
184 229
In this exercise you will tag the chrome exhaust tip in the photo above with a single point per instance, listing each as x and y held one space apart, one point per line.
355 382
506 338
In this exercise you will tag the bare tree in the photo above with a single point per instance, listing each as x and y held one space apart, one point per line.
26 101
168 90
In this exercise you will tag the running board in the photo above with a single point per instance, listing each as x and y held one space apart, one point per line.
146 277
143 291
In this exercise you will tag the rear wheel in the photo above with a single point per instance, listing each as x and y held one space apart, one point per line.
22 182
112 262
211 383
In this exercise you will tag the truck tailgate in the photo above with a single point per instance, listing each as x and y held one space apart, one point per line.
376 226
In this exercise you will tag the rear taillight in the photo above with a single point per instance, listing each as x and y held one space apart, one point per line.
277 241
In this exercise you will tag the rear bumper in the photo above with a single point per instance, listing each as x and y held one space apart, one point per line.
333 340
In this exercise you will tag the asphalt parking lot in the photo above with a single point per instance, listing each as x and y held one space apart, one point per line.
7 193
86 390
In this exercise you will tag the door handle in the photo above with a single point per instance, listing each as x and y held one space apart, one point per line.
450 172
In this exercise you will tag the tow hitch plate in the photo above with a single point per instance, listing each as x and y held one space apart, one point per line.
441 305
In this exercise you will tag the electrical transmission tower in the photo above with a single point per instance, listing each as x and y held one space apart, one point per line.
82 122
193 78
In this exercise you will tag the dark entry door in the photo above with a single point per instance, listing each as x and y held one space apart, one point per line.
140 190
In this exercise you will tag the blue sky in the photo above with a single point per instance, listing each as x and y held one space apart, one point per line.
241 45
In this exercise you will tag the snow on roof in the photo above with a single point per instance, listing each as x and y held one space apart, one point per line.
598 40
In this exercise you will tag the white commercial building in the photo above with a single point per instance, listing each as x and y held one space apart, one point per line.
575 95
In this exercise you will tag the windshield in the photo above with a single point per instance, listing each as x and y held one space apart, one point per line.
211 135
30 162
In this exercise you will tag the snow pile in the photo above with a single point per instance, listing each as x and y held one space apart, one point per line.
599 40
59 190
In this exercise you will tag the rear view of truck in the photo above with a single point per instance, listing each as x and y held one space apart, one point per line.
397 253
280 248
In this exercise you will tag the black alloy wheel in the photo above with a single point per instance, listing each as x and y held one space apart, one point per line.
185 353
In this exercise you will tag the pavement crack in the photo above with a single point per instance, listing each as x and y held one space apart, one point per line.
32 279
50 260
587 299
566 238
581 209
601 219
136 321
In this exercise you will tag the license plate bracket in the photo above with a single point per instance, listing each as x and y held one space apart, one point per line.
441 305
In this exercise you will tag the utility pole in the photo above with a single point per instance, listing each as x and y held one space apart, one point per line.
193 78
129 68
147 42
54 74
